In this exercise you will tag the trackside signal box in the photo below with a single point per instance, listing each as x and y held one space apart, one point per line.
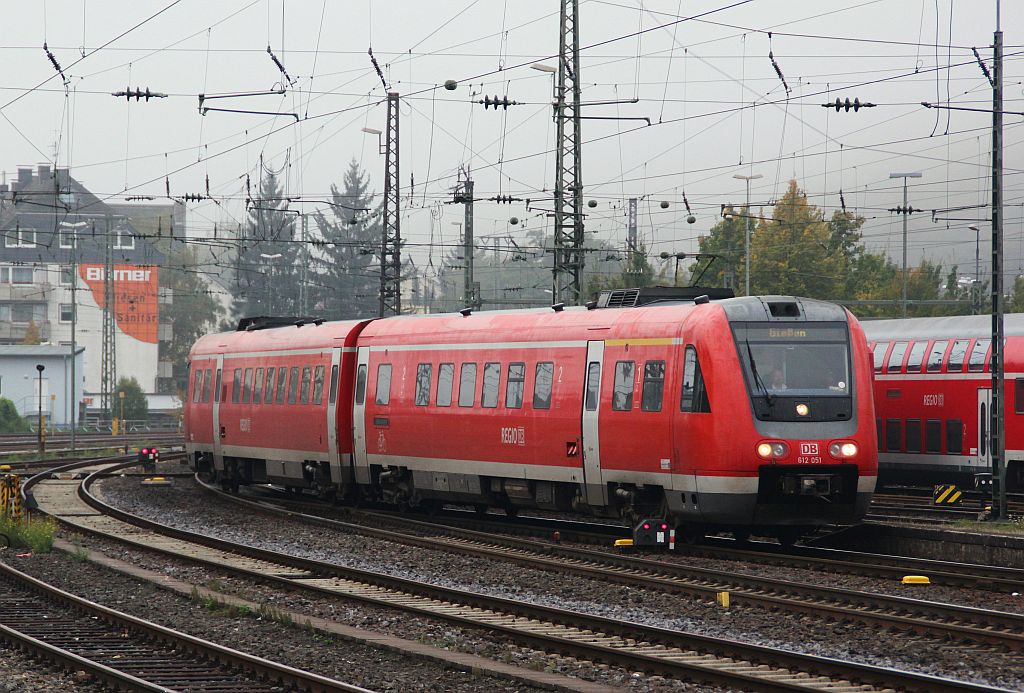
654 533
148 457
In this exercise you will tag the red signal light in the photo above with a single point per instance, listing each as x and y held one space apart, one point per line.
145 451
647 525
664 526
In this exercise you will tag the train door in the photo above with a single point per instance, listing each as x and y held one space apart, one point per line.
218 453
362 464
334 458
596 492
984 414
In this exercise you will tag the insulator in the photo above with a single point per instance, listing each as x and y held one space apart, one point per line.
664 204
592 203
450 84
691 219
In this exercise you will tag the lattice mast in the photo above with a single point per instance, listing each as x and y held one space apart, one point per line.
568 265
391 235
108 378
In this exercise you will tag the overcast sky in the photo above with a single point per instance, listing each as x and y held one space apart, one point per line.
716 105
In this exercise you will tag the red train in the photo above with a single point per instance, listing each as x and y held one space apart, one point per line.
734 414
933 388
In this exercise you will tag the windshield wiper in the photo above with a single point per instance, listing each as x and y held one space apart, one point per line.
757 376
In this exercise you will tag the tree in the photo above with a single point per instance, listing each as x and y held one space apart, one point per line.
32 334
10 420
725 241
192 311
135 406
348 277
637 272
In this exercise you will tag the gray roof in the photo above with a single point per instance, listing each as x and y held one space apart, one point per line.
36 350
953 327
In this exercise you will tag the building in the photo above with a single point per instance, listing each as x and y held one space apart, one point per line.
21 382
56 239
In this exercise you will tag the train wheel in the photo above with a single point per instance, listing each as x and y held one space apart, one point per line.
481 509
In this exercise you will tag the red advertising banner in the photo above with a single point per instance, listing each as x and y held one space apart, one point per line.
136 305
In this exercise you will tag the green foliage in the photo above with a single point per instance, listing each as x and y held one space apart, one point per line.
726 240
135 406
10 420
36 534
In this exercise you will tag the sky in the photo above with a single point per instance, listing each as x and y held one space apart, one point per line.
698 70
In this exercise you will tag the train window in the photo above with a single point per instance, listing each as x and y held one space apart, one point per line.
236 384
515 386
879 355
257 386
217 393
893 434
445 381
383 383
695 393
954 436
916 357
304 391
654 386
593 386
423 375
899 349
247 386
206 386
293 385
492 383
1018 396
913 435
933 436
197 385
333 396
318 385
957 355
467 385
282 379
268 388
543 378
622 394
976 364
935 355
361 383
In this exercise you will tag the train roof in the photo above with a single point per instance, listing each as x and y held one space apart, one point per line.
309 336
951 327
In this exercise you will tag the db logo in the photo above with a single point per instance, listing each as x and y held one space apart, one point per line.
808 448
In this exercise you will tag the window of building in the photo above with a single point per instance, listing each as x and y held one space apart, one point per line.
957 355
424 373
935 355
21 237
67 312
893 434
515 385
654 386
445 383
467 385
384 383
954 436
28 312
976 363
247 386
282 379
896 357
21 275
5 312
492 383
695 394
916 357
268 388
65 275
66 237
206 386
318 385
304 391
124 239
197 385
333 395
236 385
544 376
622 394
878 354
913 435
593 386
933 436
293 385
361 384
257 386
5 275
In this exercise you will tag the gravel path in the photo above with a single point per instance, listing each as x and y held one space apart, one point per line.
183 505
19 673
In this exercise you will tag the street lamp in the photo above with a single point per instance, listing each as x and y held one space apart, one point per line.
906 213
678 257
42 438
746 243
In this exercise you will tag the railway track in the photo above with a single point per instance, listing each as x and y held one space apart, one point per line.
11 447
915 503
634 646
131 654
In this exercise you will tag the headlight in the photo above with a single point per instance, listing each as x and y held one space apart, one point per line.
802 409
772 451
842 450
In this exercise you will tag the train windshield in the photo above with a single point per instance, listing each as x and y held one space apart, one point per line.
787 360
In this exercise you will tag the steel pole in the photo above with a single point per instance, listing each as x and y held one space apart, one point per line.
997 447
906 213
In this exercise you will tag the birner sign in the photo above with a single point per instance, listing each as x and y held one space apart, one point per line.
136 305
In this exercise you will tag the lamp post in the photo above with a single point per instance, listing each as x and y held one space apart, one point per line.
906 213
678 257
976 284
42 438
746 242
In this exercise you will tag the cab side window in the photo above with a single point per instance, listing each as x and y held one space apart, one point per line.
654 386
383 384
695 394
197 384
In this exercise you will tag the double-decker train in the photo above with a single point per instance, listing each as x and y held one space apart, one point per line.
933 390
746 413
